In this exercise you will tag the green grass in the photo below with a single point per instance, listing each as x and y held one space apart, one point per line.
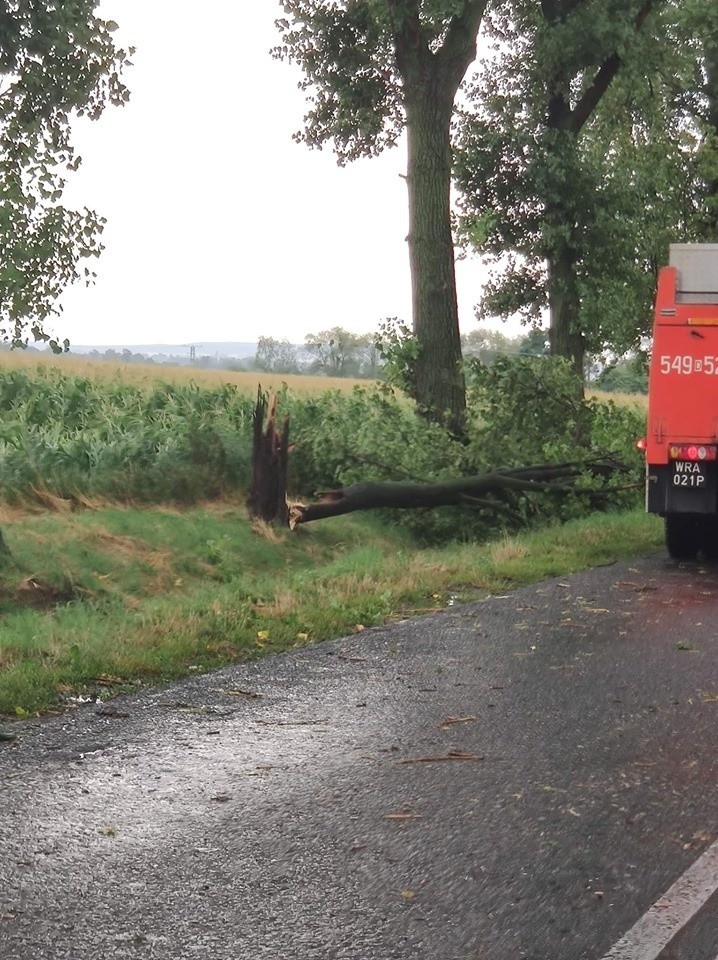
100 600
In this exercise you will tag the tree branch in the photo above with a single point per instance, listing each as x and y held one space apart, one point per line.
464 491
408 41
554 10
459 47
602 81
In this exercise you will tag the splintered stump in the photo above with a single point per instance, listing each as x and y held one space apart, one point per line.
268 492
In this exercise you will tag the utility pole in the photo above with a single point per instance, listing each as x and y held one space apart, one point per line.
192 347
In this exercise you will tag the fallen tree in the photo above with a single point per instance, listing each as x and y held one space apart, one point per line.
495 490
486 490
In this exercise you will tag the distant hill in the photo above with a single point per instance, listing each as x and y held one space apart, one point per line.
221 348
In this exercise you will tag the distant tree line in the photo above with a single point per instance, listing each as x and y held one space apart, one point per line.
329 353
340 353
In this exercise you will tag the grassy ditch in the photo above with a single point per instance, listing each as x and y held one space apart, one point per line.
96 601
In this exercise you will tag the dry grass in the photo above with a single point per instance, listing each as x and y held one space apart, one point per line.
509 548
620 399
284 603
132 550
50 501
13 513
148 374
267 532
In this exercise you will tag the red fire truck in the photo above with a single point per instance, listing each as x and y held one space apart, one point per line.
681 444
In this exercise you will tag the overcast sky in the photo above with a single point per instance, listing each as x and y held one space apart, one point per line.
220 227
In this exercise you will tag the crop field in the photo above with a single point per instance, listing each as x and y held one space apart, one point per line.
147 375
83 431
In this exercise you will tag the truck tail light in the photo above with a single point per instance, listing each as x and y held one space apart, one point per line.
692 451
641 444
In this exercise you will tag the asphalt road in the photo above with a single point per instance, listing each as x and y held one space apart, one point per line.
520 778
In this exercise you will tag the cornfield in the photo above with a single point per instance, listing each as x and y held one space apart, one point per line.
146 375
74 437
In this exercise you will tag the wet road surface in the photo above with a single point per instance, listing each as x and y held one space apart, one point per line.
520 778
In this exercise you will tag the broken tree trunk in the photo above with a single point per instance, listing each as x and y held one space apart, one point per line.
474 491
267 498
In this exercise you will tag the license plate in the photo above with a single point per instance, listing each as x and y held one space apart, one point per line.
689 473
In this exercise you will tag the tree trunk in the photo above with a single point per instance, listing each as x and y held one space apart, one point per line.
431 75
267 498
438 380
565 337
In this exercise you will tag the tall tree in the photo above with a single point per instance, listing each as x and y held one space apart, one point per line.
374 68
548 173
488 344
369 356
336 352
275 356
57 60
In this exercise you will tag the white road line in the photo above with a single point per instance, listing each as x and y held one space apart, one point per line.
659 925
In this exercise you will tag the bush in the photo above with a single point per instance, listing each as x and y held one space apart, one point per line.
531 410
524 410
373 434
370 434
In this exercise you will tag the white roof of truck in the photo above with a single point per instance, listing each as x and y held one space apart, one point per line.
697 265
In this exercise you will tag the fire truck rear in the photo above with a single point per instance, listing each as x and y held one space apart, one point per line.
682 432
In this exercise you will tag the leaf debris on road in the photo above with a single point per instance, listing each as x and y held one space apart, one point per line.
292 723
451 755
448 722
